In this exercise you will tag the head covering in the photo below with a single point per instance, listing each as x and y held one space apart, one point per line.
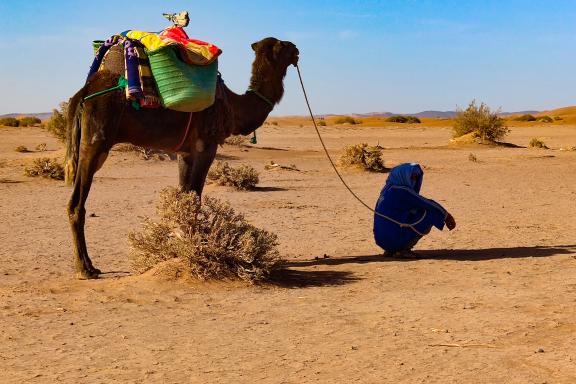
401 176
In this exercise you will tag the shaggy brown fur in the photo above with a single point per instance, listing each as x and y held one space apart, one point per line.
97 124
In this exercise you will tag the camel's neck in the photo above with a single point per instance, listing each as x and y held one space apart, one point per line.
266 90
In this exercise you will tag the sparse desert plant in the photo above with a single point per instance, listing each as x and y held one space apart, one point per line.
56 125
243 177
45 167
525 117
9 122
22 149
274 123
537 143
321 123
210 239
558 118
144 153
27 121
487 124
404 119
236 140
364 156
545 119
41 147
472 157
347 120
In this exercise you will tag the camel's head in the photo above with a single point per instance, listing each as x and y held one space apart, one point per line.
276 51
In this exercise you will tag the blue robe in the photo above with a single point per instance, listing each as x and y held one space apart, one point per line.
412 216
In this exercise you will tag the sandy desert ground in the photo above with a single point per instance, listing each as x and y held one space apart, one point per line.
494 301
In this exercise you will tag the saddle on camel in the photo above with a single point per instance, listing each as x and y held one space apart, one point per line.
142 90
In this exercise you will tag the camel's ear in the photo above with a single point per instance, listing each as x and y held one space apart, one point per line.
254 46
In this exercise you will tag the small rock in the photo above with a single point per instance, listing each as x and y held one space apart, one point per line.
540 350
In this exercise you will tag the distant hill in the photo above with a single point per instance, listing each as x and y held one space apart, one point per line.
433 114
40 115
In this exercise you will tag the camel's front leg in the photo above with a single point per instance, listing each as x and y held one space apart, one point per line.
91 158
193 167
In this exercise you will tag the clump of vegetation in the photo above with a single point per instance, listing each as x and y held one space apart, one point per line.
545 119
364 156
21 149
558 118
321 122
525 117
481 120
274 123
404 119
45 167
41 147
209 238
144 153
9 122
243 177
236 140
28 121
347 120
537 143
56 125
472 157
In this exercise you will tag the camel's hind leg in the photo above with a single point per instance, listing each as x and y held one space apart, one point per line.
92 156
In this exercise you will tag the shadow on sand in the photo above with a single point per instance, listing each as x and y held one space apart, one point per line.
448 254
291 278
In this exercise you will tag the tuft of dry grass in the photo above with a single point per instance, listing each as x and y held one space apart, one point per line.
236 140
472 157
364 156
41 147
243 177
212 240
144 153
22 149
537 143
45 167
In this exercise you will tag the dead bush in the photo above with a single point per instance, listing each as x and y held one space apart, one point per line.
212 240
487 124
45 167
22 149
41 147
347 120
537 143
56 125
472 157
364 156
144 153
242 178
236 140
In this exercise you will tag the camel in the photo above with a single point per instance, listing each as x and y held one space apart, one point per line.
96 124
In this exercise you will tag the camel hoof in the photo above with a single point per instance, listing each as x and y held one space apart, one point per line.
87 275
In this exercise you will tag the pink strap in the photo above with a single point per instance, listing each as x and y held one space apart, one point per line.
177 148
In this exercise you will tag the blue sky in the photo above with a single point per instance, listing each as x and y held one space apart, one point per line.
355 56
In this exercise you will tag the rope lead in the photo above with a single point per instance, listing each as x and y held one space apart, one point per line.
402 225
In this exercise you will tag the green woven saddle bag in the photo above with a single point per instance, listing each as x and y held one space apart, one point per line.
182 87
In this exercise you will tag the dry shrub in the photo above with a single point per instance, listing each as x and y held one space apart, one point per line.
41 147
56 125
236 140
525 117
404 119
242 178
45 167
211 240
22 149
537 143
347 120
364 156
144 153
472 157
545 119
480 119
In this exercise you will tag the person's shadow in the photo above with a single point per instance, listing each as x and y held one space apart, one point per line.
447 254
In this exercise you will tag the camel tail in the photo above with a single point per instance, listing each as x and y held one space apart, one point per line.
74 122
